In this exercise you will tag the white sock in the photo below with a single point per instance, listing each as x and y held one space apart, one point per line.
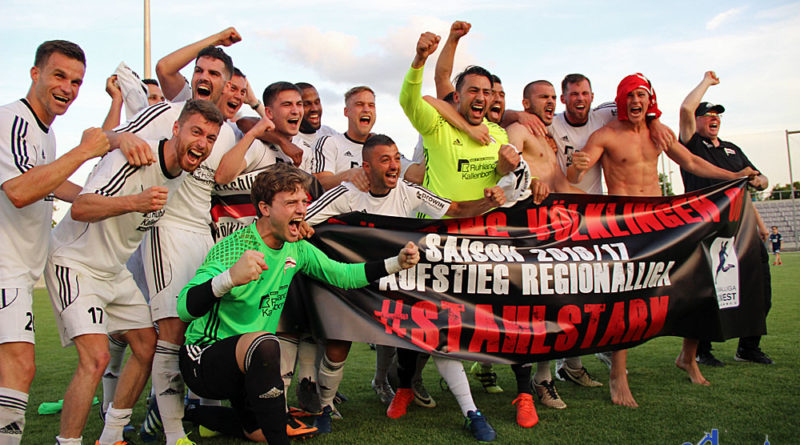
330 375
65 441
168 384
452 371
542 372
116 419
288 358
116 348
306 361
383 360
12 415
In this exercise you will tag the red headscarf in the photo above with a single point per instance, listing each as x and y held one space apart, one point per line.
630 83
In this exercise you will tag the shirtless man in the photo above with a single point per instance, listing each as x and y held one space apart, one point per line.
630 165
539 98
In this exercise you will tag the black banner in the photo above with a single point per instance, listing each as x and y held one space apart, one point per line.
577 274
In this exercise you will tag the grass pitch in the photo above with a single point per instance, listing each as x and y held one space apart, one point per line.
746 403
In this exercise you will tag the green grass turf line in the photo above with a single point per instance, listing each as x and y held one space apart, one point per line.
745 402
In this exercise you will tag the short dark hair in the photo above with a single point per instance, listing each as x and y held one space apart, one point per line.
208 110
278 177
217 53
355 90
527 90
573 78
238 72
64 47
473 69
304 85
373 141
496 79
272 90
150 82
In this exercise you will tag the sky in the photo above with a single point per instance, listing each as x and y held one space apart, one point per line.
752 46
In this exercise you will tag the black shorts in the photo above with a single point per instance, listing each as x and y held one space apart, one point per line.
212 372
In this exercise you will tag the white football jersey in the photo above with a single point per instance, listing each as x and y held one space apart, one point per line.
25 142
190 208
336 154
306 142
406 200
570 138
103 247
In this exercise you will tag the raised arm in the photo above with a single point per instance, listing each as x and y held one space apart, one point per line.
420 113
687 124
444 65
169 67
115 110
38 182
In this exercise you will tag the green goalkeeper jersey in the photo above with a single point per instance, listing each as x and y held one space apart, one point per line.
257 306
456 167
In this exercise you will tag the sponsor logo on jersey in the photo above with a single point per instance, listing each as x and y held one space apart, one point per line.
708 144
565 138
271 394
729 151
290 263
427 197
150 219
8 296
457 142
204 174
348 154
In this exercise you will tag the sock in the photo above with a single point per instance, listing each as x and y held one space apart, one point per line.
288 356
306 360
264 388
330 375
422 360
453 373
383 361
574 363
406 365
116 419
542 373
168 384
217 418
12 415
64 441
117 350
522 373
203 401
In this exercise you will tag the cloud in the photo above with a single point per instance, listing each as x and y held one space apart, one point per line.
722 17
343 59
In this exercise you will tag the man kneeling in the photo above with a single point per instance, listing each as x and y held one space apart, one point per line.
236 298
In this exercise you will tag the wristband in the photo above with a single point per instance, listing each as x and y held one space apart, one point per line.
392 265
257 104
222 284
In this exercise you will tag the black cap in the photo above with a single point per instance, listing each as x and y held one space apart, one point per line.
705 107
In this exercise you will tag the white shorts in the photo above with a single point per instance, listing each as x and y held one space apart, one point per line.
85 304
171 257
16 315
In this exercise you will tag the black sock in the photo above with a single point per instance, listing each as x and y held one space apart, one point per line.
264 388
523 375
406 366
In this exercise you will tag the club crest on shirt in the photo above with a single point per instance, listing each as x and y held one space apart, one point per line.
290 262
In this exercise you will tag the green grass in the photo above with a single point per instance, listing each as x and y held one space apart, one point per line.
745 402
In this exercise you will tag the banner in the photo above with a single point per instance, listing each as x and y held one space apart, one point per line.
575 275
